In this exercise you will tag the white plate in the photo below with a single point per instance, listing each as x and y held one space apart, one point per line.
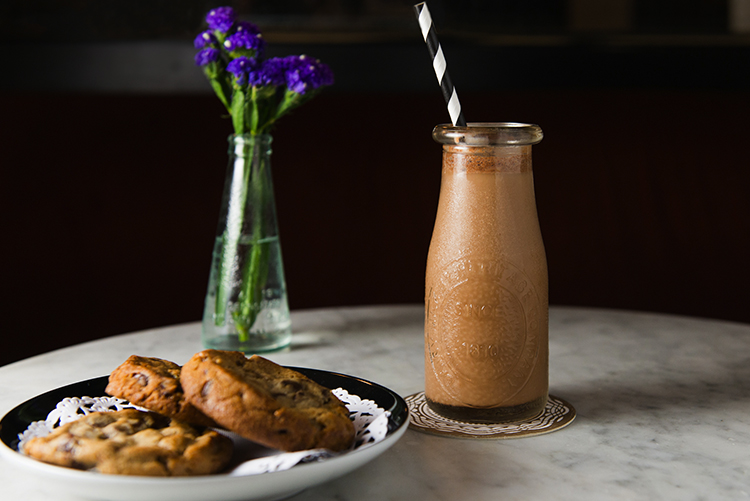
219 487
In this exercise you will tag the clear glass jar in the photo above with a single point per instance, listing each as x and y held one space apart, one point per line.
486 295
246 307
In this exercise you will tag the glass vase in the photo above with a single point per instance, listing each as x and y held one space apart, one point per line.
246 306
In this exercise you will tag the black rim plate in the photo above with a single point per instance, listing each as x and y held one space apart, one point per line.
37 408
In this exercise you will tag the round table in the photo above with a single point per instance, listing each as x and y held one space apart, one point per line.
663 406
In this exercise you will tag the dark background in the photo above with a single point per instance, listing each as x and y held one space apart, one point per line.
114 154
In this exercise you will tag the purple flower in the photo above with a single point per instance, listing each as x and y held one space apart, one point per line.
246 26
245 40
304 73
220 18
240 68
203 39
270 73
205 56
298 73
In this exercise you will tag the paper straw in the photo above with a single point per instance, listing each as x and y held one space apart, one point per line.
438 63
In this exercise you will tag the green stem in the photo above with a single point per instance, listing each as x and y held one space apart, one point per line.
238 111
237 201
249 190
254 113
255 269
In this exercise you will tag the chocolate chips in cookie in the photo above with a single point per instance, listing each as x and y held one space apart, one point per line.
154 384
265 402
133 442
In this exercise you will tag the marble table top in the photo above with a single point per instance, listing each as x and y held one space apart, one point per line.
663 406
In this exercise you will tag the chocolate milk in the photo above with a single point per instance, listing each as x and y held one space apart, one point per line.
486 299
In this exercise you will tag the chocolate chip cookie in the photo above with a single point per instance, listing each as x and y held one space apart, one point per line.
154 383
133 442
264 402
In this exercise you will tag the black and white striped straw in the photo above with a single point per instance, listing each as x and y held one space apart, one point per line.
438 63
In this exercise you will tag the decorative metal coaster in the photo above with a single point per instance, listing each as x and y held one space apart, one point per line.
557 415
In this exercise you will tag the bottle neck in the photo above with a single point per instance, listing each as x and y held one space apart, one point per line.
246 145
486 159
488 134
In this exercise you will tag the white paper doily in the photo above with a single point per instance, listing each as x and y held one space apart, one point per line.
370 424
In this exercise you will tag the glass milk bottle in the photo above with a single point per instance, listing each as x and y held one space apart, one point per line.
486 299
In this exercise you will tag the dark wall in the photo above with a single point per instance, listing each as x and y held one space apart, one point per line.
113 154
110 202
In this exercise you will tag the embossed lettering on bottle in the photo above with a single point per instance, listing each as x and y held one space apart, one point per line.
485 331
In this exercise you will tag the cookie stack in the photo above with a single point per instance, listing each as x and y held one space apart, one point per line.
253 397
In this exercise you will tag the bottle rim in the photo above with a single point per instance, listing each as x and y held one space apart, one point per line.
488 134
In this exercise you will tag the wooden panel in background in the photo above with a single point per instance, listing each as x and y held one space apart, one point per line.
110 203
